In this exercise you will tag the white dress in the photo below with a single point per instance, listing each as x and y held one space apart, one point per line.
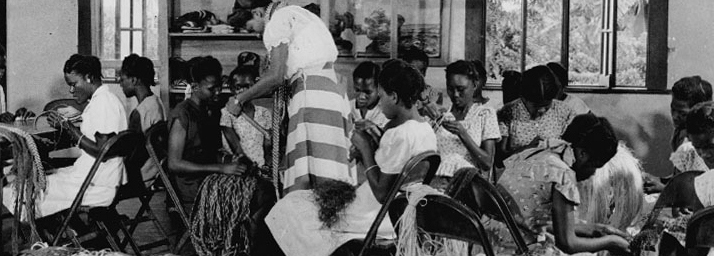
104 114
293 220
151 111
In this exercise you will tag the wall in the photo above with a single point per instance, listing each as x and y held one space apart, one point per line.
690 41
37 47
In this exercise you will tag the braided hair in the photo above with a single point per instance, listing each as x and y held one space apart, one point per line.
594 135
401 78
139 67
84 65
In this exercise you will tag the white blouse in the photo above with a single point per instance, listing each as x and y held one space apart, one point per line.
310 44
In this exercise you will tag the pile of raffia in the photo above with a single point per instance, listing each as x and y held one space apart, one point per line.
614 194
30 181
410 243
221 208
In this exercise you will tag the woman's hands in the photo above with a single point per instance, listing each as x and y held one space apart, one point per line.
365 146
619 246
235 105
454 127
235 168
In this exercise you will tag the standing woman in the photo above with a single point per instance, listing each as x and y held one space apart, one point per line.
103 117
302 51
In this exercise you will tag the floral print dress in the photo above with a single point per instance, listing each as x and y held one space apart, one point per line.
515 122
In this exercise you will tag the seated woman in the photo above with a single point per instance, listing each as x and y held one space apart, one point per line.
536 115
104 116
296 220
467 137
194 134
137 75
542 183
244 134
687 192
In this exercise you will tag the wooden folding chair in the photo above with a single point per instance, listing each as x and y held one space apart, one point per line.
443 216
157 144
136 188
700 232
484 198
419 169
121 145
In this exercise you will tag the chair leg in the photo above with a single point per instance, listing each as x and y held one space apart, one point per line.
129 238
111 238
182 242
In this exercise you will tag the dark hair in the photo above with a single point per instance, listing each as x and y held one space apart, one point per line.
313 8
84 65
239 17
511 85
204 66
559 72
700 119
539 84
366 69
481 70
692 89
241 71
401 78
594 135
413 54
462 67
139 67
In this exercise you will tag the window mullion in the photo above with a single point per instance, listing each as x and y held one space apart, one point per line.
608 39
565 37
524 35
117 32
393 35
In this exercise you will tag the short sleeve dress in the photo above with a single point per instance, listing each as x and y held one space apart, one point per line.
251 139
481 124
318 110
516 123
294 222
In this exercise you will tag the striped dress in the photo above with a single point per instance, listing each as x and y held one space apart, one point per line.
318 112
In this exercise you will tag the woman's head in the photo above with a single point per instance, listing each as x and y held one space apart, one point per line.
700 130
594 143
462 79
400 85
511 85
539 86
686 93
365 78
83 75
241 78
136 71
205 77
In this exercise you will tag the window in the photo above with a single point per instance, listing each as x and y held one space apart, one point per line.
603 43
125 27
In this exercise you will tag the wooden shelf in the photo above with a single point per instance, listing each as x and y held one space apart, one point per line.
211 36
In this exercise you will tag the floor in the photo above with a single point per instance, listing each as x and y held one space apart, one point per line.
145 233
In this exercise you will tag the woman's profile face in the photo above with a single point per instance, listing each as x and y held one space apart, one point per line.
79 86
208 89
704 144
537 109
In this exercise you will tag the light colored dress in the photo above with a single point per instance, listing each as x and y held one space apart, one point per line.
685 158
577 104
251 139
481 124
294 223
529 181
105 114
151 111
516 123
318 111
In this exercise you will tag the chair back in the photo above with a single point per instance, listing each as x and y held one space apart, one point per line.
419 169
121 145
700 229
445 217
485 198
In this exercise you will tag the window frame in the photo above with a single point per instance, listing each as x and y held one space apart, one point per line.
657 49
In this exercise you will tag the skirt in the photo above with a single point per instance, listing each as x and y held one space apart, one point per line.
318 126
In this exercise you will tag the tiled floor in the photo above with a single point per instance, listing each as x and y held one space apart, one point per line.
145 233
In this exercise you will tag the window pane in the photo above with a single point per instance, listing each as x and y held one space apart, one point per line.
503 37
138 14
342 26
125 44
152 30
545 19
631 43
373 27
584 48
137 43
125 13
108 28
422 25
